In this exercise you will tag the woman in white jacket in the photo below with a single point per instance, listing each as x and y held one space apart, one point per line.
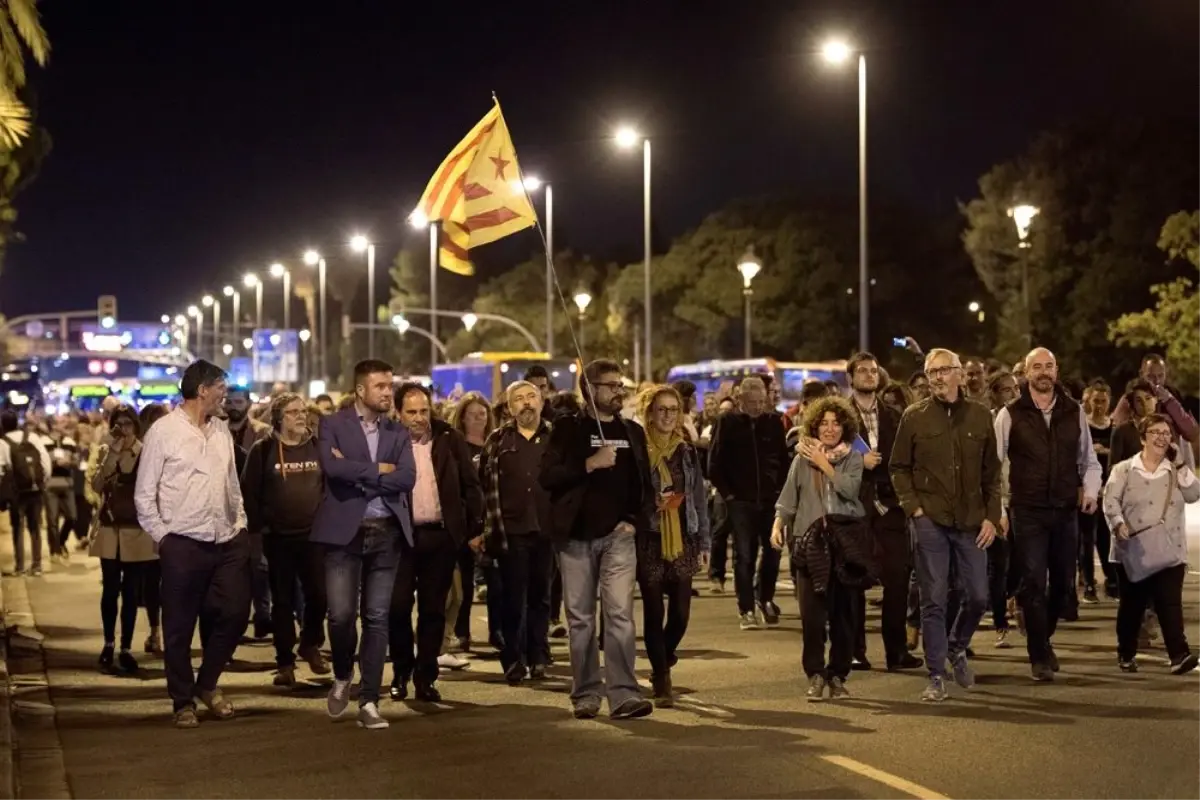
1145 497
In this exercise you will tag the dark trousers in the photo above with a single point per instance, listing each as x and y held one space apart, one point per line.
119 582
426 570
721 528
83 520
26 512
466 571
833 609
556 594
525 573
1095 539
895 562
666 611
360 576
752 533
291 559
998 569
60 516
1165 591
202 581
152 591
913 611
1046 543
495 598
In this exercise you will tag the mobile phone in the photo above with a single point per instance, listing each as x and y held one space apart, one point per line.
900 341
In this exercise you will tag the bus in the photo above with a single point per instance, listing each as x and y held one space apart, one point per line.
490 373
789 376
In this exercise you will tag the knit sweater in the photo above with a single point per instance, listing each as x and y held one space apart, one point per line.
1135 498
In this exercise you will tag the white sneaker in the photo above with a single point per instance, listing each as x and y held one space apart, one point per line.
452 662
370 718
339 698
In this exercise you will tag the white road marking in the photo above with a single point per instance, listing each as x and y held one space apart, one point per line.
886 778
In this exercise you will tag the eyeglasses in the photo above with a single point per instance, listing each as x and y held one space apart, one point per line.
940 372
1158 434
667 411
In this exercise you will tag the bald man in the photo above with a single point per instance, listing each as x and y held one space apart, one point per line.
1045 436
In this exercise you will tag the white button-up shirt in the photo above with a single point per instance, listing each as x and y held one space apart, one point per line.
187 483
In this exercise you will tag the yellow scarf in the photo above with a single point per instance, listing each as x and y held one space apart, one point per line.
661 449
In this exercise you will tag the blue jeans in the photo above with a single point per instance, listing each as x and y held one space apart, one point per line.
609 566
937 550
369 561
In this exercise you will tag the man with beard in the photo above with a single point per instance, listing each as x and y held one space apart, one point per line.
369 471
517 531
1154 372
595 469
878 423
976 385
1045 436
946 475
246 431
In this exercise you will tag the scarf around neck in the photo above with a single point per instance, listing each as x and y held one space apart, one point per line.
661 449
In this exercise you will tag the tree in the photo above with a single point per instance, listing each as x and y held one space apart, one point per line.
1174 322
1102 189
20 30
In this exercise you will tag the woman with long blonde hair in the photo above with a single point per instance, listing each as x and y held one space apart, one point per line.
677 545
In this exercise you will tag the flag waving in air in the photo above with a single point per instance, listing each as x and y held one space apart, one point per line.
477 194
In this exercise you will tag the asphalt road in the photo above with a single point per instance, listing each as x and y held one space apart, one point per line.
742 729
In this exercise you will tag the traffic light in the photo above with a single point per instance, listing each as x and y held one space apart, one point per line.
106 310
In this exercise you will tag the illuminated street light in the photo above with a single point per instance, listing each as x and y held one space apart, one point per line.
311 257
166 319
227 349
401 323
180 320
228 291
469 320
206 301
1022 216
305 334
275 339
749 265
626 137
973 307
531 183
248 343
193 312
836 51
582 301
416 219
278 270
250 280
359 243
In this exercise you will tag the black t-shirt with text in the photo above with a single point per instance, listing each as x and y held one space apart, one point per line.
611 495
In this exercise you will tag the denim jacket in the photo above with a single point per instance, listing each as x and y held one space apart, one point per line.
696 525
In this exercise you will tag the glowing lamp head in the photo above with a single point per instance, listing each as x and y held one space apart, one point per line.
248 343
1023 216
469 320
401 323
207 301
305 335
582 301
311 257
531 183
359 243
250 280
193 312
417 220
227 291
277 270
227 349
749 265
166 319
180 320
626 137
973 307
836 51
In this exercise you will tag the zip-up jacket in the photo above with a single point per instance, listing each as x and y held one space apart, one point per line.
748 459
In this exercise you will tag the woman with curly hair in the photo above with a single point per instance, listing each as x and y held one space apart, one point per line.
677 546
824 480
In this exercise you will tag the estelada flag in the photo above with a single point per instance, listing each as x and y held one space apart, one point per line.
477 193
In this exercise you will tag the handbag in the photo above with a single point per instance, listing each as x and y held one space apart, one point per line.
1150 551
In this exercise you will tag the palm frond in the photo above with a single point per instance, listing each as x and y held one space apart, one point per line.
12 59
24 15
14 121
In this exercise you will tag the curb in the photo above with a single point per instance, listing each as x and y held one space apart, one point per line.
8 777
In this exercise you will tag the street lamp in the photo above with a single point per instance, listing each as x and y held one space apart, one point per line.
236 296
251 281
1022 216
401 323
166 319
582 301
626 138
280 271
313 259
838 51
749 265
359 243
530 184
227 349
196 314
469 320
248 343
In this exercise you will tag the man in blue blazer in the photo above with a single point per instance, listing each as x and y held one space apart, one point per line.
369 471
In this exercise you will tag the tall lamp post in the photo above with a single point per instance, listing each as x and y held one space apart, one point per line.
1022 217
837 51
313 259
236 297
198 315
582 301
749 265
627 138
251 281
208 301
361 244
280 271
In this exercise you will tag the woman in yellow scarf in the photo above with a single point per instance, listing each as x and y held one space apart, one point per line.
678 546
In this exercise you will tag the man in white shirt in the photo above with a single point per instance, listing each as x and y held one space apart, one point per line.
190 502
24 492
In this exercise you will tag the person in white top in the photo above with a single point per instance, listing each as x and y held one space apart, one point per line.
190 502
23 489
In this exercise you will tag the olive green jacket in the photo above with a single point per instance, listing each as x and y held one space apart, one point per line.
945 463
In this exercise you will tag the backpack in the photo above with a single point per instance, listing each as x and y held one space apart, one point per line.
28 472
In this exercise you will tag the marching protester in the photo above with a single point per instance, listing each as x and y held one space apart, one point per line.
1154 375
517 531
61 510
26 464
282 487
367 460
447 512
1144 502
1094 536
188 499
676 543
124 549
946 474
820 512
246 430
595 470
1045 437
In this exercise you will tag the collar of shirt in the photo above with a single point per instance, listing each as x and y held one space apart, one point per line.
1164 467
369 425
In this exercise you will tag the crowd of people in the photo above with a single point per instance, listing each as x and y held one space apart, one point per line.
372 522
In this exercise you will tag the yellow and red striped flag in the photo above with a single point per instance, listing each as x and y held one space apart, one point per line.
477 194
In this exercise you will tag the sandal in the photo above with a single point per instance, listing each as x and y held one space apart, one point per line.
217 704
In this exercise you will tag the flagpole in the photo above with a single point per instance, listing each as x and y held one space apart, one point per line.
433 298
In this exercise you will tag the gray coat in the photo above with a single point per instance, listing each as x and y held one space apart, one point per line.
1132 499
807 494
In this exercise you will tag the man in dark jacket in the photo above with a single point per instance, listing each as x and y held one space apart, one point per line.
946 474
748 463
447 511
1045 436
878 423
600 494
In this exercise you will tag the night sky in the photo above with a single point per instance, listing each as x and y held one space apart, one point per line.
195 140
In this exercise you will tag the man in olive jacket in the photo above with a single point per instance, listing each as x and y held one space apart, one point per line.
946 474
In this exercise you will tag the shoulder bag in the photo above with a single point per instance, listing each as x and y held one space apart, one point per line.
1150 551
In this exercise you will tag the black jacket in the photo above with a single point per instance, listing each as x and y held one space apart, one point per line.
748 458
877 483
459 490
1044 460
565 476
837 545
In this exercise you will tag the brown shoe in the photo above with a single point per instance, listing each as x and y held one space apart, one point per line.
186 718
315 660
217 704
912 637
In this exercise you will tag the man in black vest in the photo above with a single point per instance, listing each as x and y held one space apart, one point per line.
1044 434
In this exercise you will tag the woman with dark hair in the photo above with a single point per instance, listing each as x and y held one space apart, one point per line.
1125 442
472 417
823 485
120 543
896 395
151 414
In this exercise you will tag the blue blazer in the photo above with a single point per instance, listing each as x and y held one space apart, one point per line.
353 480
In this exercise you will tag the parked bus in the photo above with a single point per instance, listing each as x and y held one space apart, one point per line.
490 373
789 376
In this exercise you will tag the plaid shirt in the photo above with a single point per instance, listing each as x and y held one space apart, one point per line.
489 466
